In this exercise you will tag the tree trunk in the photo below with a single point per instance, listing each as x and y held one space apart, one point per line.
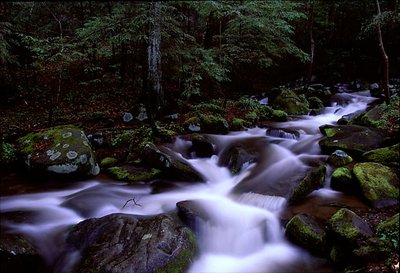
312 45
385 58
155 95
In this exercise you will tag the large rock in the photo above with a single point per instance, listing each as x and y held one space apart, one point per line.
379 184
172 165
122 243
241 152
339 158
304 231
353 139
61 150
203 145
387 155
342 180
291 103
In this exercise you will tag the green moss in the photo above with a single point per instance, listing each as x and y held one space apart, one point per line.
376 181
342 226
238 124
123 139
384 155
8 153
123 174
119 173
108 161
330 132
342 173
279 115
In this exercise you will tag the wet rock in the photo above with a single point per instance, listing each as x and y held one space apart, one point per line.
190 212
283 133
378 183
203 145
122 243
235 155
349 118
352 139
96 139
339 158
133 174
18 255
169 163
61 150
304 231
342 180
387 155
312 180
213 124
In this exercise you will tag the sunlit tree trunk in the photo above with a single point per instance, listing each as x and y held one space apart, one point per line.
385 58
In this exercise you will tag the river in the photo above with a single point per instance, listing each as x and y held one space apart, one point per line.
243 233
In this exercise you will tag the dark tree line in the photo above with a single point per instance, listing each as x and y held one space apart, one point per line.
156 52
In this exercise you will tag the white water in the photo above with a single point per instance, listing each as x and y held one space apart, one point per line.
242 232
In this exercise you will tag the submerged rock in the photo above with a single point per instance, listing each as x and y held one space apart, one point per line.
61 150
379 184
123 243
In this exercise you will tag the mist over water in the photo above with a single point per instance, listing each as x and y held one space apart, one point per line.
242 232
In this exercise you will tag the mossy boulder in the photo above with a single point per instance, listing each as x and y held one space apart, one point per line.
378 183
349 229
62 150
342 180
339 158
125 243
133 174
387 155
352 139
291 103
166 160
312 180
238 124
304 231
214 124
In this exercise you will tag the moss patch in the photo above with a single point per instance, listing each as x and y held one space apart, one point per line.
384 155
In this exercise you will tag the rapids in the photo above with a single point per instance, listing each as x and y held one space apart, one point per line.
243 232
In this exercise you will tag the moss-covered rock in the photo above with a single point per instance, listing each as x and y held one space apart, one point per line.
124 243
304 231
353 139
291 103
238 124
133 174
379 184
387 155
62 150
214 124
342 180
339 158
349 229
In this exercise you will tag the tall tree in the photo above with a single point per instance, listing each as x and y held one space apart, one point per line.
385 58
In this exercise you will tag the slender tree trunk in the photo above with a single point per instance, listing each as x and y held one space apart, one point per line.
155 91
385 58
312 44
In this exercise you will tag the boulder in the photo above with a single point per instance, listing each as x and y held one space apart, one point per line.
241 152
203 145
191 212
352 139
342 180
62 150
123 243
172 165
291 103
304 231
283 133
339 158
378 183
387 155
214 124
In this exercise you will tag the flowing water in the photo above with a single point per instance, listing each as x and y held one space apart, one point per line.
242 233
